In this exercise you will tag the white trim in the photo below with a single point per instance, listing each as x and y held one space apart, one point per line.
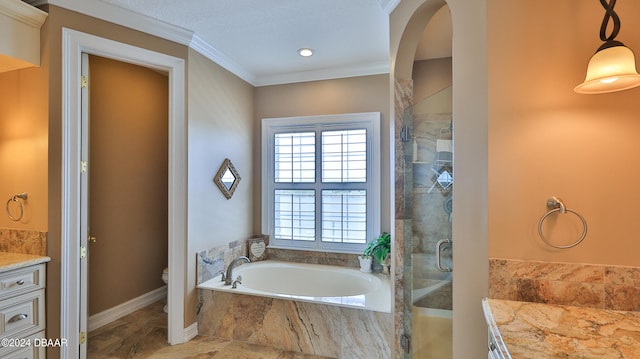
215 55
370 120
121 16
112 314
74 43
389 5
19 11
190 332
374 68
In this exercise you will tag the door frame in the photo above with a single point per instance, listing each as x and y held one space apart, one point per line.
74 43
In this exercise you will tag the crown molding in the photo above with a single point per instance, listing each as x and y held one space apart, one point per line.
389 5
24 13
146 24
123 17
377 68
215 55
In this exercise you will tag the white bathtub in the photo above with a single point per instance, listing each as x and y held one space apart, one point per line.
323 284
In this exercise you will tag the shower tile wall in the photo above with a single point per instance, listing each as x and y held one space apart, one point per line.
431 221
23 241
403 177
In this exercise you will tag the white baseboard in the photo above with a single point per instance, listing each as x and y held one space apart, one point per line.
105 317
190 332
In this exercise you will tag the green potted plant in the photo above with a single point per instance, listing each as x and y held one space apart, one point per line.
380 249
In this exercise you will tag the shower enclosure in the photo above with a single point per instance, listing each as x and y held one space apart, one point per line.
426 145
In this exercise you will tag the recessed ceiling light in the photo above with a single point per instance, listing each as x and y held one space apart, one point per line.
305 52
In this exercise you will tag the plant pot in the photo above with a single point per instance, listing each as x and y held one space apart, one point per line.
385 264
365 264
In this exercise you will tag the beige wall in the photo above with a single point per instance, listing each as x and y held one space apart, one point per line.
51 62
128 182
545 140
347 95
220 126
430 77
23 146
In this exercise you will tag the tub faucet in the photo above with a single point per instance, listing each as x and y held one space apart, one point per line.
227 278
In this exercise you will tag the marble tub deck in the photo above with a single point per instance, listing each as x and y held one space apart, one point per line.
143 334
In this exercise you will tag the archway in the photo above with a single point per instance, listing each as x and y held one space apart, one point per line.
469 230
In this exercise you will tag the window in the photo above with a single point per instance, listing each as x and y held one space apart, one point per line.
321 181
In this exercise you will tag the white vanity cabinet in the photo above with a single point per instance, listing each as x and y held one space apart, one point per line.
22 312
495 346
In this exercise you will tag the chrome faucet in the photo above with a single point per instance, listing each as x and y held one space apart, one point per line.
227 278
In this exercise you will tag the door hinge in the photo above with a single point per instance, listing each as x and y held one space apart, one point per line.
83 252
83 166
405 343
84 82
83 337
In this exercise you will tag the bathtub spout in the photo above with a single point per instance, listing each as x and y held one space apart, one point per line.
228 279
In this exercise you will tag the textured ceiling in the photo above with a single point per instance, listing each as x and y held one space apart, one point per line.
262 37
257 40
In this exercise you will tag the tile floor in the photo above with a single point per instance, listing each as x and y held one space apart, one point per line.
143 334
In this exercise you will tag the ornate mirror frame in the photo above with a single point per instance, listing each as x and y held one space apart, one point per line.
225 172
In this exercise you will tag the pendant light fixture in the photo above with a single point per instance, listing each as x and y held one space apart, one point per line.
613 67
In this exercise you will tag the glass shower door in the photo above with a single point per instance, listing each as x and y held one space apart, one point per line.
431 259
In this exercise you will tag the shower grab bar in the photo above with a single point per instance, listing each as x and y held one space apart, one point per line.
439 245
555 204
14 198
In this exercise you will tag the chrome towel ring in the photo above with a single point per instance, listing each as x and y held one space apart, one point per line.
555 204
16 199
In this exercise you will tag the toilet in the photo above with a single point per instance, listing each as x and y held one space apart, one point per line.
165 279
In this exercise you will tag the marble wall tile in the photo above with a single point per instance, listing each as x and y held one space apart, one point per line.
212 262
258 320
622 288
365 334
216 318
590 295
297 327
303 333
23 241
403 272
403 98
315 257
582 285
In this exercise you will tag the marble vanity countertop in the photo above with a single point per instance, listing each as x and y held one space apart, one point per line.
10 261
540 331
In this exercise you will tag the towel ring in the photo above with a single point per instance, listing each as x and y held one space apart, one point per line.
557 205
14 199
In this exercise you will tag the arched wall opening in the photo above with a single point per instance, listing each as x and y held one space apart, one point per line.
469 229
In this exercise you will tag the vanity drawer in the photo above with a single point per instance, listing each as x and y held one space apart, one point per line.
31 351
22 280
22 315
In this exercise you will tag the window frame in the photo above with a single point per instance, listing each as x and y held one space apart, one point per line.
365 120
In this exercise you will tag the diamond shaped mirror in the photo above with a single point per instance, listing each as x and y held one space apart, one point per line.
445 179
227 178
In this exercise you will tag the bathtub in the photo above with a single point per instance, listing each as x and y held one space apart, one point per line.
315 283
